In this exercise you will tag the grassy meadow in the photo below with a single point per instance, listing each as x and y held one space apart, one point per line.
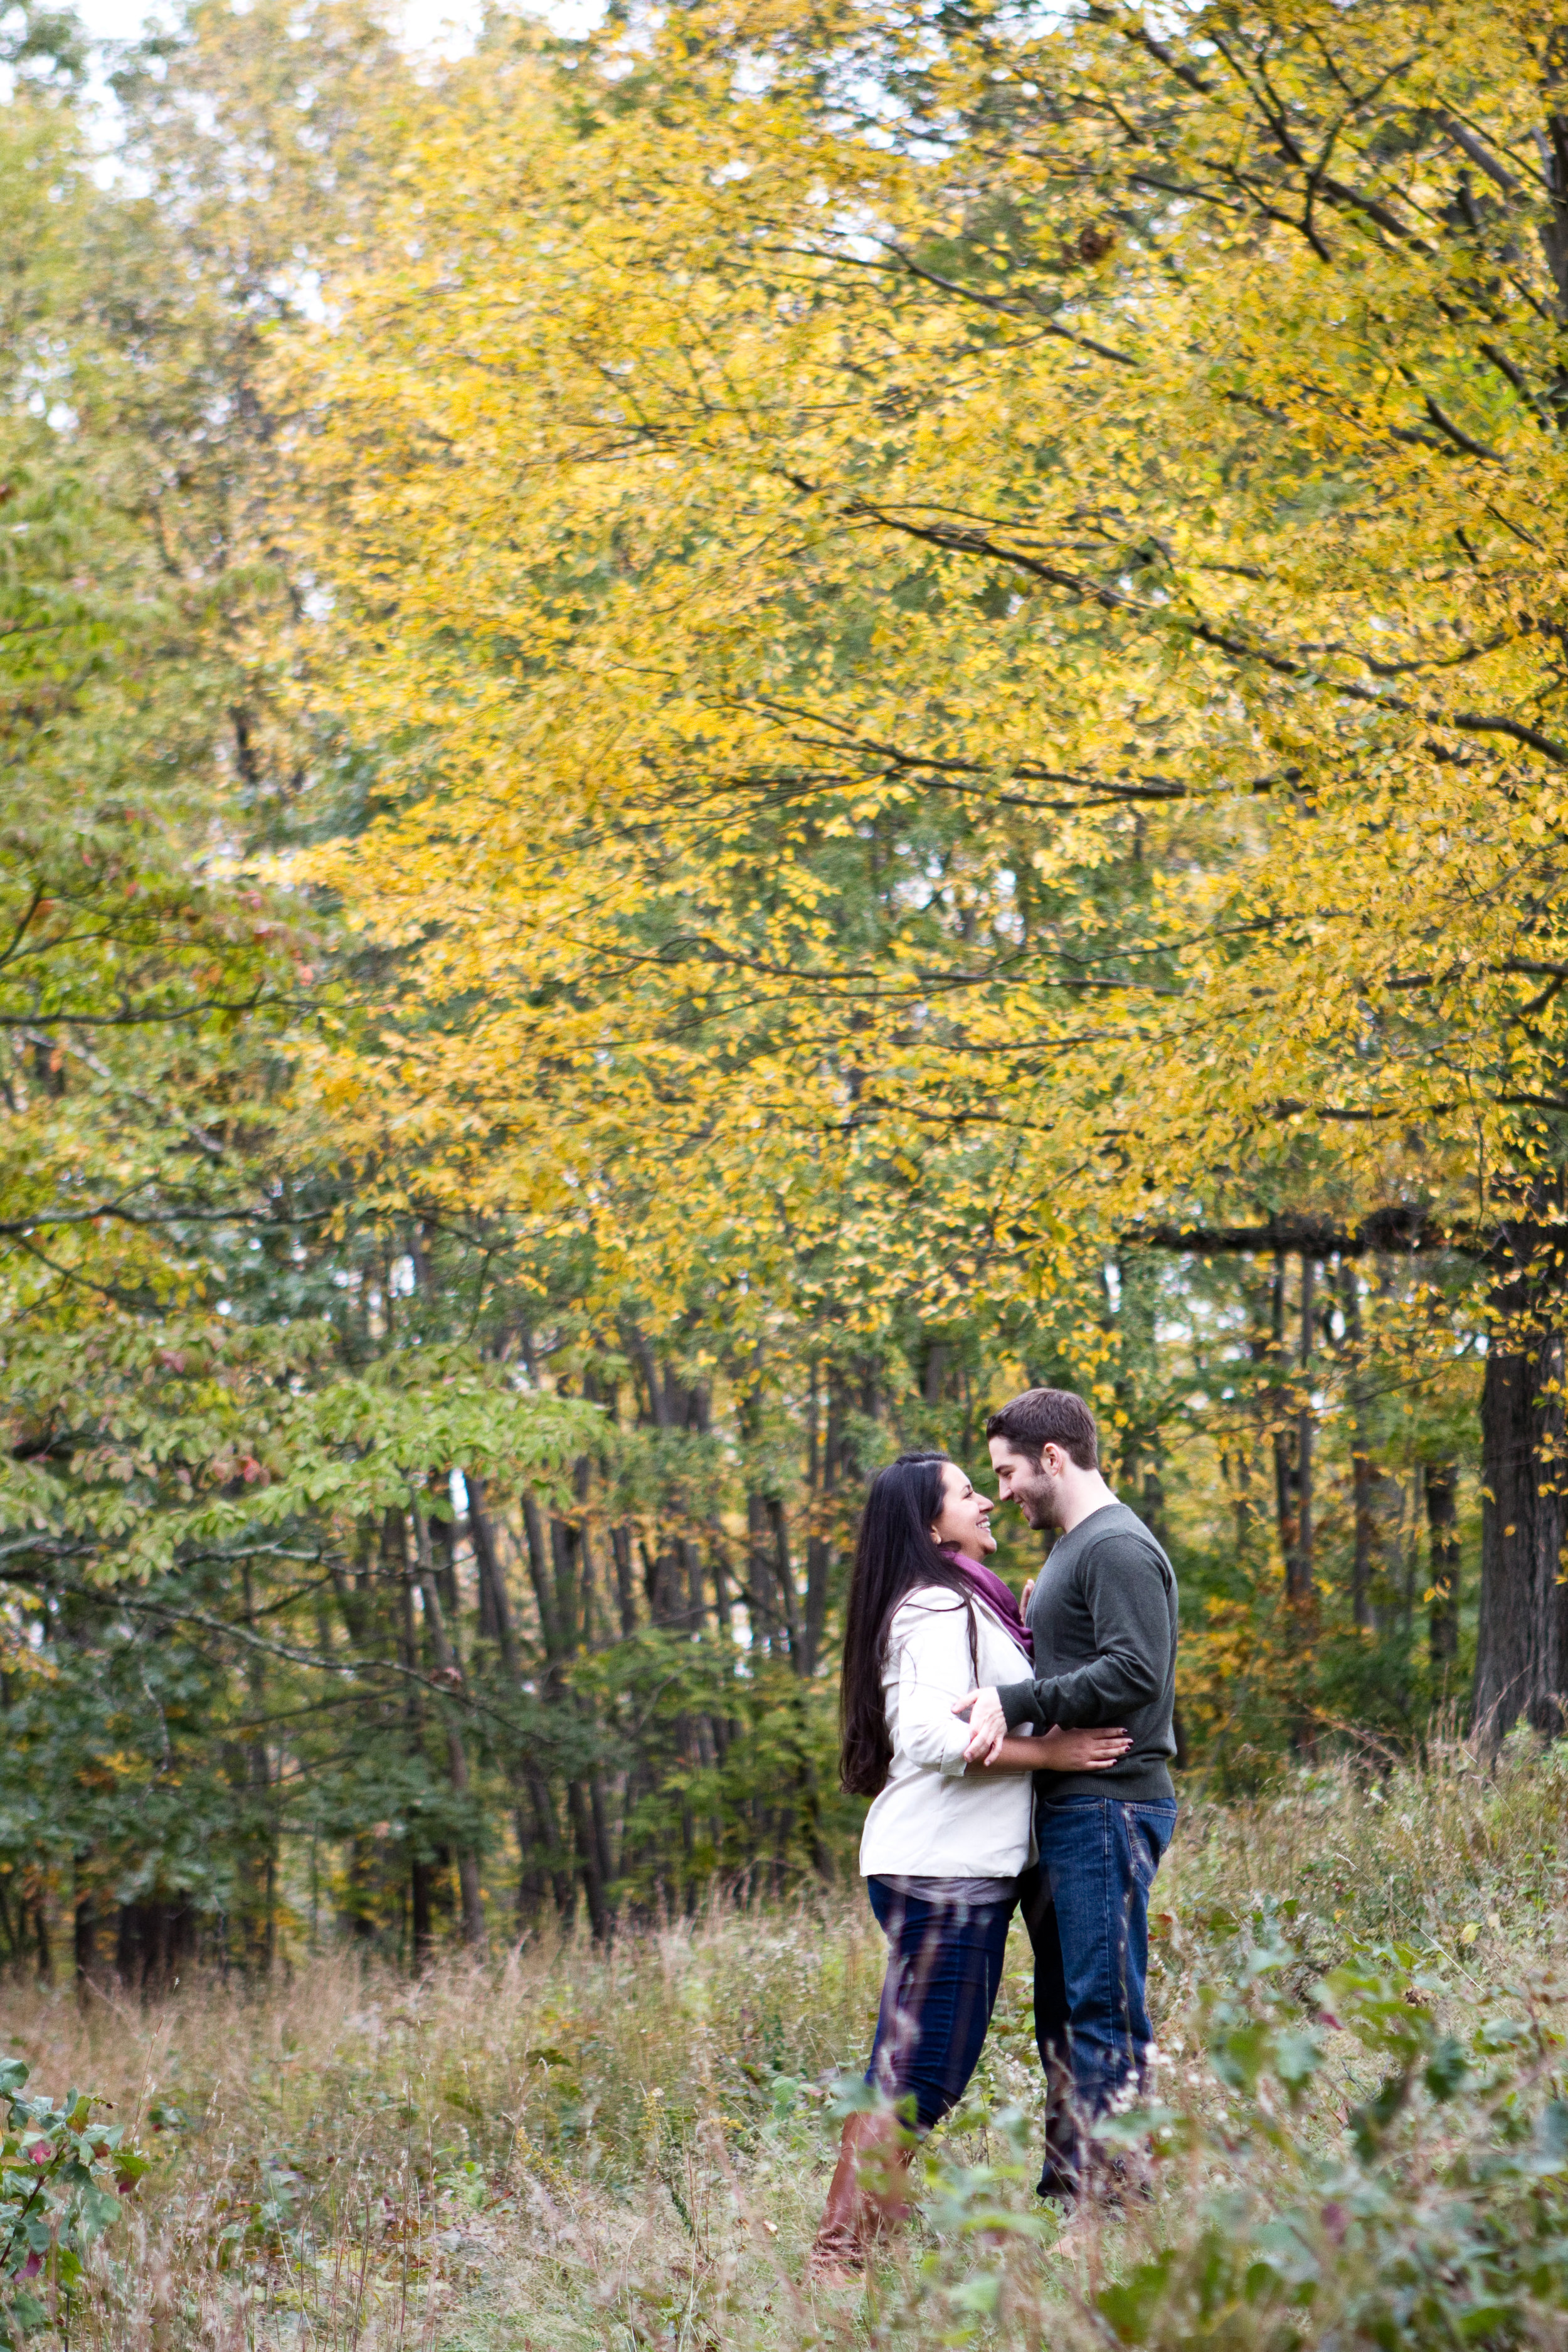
572 2148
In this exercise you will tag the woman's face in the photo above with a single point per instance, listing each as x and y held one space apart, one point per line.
965 1519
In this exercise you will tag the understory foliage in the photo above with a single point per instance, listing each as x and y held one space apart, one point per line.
719 738
60 2167
1357 2132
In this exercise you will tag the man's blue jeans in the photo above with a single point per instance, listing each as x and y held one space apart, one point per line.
1086 1907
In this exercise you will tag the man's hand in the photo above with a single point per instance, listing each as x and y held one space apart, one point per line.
987 1725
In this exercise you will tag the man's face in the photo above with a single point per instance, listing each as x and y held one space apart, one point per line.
1035 1488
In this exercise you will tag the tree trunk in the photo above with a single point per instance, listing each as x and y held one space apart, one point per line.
550 1601
625 1581
523 1771
538 1576
563 1559
583 1828
86 1929
1521 1658
261 1857
1284 1503
424 1934
1299 1557
767 1622
823 1478
41 1934
394 1551
449 1669
495 1602
574 1553
1360 1451
784 1577
1442 1521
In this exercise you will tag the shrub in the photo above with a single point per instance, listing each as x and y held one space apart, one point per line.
1374 2179
60 2173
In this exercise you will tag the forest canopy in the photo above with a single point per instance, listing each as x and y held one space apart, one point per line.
720 738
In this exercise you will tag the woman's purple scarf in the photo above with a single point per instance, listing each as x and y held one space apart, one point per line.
997 1596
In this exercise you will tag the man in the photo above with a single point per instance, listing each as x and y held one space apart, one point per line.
1103 1615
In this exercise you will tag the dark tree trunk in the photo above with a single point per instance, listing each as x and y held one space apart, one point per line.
1149 1504
583 1828
563 1557
395 1552
358 1908
784 1577
591 1824
818 1559
719 1558
1521 1658
539 1577
818 1555
488 1580
558 1637
84 1937
495 1602
625 1581
261 1859
1284 1479
152 1940
696 1588
1442 1521
1360 1451
563 1886
419 1903
1299 1555
759 1576
524 1769
661 1579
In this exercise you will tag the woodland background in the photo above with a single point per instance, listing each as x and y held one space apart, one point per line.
716 739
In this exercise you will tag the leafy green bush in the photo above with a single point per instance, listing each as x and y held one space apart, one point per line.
1417 2200
61 2175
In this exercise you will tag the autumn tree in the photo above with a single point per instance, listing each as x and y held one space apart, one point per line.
976 601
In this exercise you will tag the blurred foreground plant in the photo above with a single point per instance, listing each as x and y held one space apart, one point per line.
60 2173
1410 2193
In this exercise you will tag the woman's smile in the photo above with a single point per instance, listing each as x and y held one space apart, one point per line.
963 1522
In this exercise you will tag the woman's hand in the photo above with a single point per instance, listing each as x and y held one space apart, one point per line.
1080 1751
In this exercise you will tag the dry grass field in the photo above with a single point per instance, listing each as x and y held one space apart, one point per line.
572 2148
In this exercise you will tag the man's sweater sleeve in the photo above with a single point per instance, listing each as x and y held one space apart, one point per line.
1124 1589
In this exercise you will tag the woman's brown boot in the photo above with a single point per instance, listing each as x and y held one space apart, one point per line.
865 2198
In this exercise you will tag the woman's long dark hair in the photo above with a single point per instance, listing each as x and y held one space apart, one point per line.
896 1554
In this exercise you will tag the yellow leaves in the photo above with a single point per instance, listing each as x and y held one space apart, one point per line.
824 699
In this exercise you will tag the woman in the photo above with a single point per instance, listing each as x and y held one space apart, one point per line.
943 1842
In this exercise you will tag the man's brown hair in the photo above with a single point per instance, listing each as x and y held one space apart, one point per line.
1042 1417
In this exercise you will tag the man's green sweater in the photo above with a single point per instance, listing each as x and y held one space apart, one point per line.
1103 1615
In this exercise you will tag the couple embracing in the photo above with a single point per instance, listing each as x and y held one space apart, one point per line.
1013 1758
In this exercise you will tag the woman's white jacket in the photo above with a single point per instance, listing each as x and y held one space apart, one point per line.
934 1819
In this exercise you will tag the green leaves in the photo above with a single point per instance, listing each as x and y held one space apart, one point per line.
59 2174
1128 2307
1408 2216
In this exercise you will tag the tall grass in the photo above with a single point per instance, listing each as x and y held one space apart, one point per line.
575 2148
